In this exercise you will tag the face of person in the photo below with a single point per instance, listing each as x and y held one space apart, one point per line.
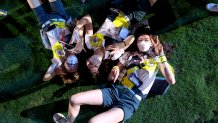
93 64
71 64
144 43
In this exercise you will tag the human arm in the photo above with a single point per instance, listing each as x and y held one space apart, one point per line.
117 47
166 69
77 36
86 22
53 70
128 41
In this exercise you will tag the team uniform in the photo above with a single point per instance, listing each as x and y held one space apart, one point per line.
136 80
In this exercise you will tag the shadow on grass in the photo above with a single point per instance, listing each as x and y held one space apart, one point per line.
44 113
163 15
7 96
64 88
165 19
6 32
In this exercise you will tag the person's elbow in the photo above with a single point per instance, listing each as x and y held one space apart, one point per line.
88 18
171 81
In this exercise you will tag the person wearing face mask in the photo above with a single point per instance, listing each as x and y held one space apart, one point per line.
134 74
144 45
68 71
93 63
117 27
56 26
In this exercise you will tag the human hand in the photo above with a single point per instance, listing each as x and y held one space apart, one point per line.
79 47
114 48
115 73
75 36
161 51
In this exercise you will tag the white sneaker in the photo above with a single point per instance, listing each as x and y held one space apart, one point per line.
59 118
3 12
212 7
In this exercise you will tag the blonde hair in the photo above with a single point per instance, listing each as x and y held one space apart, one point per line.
70 78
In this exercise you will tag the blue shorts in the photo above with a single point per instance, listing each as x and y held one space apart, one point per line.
58 11
120 97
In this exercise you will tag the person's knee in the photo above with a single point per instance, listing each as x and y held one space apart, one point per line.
74 100
94 120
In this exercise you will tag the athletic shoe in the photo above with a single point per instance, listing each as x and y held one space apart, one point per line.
3 12
212 7
59 118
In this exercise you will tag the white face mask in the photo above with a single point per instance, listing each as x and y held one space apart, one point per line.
144 45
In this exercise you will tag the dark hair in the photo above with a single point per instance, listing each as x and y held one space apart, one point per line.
142 30
155 49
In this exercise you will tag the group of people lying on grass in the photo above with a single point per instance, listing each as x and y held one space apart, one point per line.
124 38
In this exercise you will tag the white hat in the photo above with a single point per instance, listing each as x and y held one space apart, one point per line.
72 62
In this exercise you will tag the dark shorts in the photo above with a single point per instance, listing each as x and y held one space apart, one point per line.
120 97
58 11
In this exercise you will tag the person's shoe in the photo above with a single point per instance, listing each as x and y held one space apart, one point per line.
212 7
59 118
3 12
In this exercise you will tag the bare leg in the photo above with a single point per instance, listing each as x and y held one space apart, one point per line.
34 3
93 97
114 115
58 7
51 0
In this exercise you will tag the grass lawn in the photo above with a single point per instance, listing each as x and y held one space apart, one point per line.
184 24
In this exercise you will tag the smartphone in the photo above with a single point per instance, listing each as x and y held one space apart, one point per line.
135 80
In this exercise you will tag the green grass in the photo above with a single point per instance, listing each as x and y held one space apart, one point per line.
25 98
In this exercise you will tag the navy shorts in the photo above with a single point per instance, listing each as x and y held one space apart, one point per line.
120 97
58 11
